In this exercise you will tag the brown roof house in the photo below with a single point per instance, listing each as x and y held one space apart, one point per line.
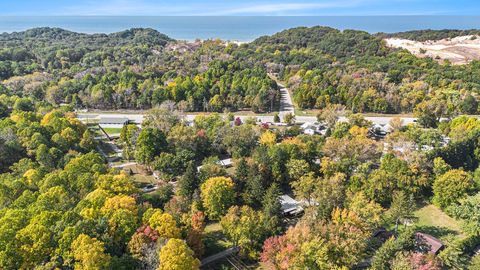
428 243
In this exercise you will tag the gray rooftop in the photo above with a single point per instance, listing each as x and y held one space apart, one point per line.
113 120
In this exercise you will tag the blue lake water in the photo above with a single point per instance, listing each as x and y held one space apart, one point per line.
241 28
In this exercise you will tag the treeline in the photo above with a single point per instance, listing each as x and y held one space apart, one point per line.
133 69
425 35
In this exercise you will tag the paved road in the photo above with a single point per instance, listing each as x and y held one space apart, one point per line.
286 104
138 118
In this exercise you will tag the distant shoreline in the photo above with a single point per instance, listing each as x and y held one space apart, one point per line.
234 28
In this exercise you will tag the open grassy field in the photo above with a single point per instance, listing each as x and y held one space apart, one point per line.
214 239
110 131
432 220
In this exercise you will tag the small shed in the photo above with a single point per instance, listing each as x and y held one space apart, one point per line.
432 244
226 162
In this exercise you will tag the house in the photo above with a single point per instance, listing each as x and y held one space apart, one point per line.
224 163
432 244
313 128
290 206
113 122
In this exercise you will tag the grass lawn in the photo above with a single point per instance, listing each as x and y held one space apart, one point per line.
144 179
214 239
110 131
434 221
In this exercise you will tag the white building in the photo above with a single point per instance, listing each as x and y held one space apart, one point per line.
290 206
313 128
224 163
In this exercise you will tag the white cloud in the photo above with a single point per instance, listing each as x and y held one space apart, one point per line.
145 7
123 7
285 7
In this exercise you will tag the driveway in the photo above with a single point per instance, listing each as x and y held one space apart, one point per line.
286 104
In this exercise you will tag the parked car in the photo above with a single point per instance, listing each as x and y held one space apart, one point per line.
149 188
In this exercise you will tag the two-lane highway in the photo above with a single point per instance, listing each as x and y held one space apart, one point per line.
138 118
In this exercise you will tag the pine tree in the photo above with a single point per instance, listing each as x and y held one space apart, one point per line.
241 175
272 209
188 182
254 190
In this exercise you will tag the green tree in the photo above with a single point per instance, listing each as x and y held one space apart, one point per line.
402 207
254 190
451 187
289 118
276 118
43 156
440 166
188 182
150 143
297 168
272 209
383 257
87 142
305 187
36 244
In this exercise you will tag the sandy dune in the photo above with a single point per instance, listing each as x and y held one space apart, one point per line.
459 50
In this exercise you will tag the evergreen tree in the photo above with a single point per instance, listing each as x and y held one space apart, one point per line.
254 190
272 209
188 182
241 174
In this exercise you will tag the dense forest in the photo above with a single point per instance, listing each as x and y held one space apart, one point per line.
133 69
175 192
141 68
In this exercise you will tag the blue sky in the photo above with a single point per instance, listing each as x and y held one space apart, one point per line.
239 7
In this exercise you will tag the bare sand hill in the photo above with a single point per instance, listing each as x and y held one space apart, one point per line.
459 50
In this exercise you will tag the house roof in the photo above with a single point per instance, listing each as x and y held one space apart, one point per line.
289 205
226 162
431 242
113 120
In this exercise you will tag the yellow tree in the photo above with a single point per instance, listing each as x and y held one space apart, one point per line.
268 138
176 255
119 202
242 225
217 195
89 253
165 224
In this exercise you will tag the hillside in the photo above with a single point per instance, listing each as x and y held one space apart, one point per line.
141 68
163 189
